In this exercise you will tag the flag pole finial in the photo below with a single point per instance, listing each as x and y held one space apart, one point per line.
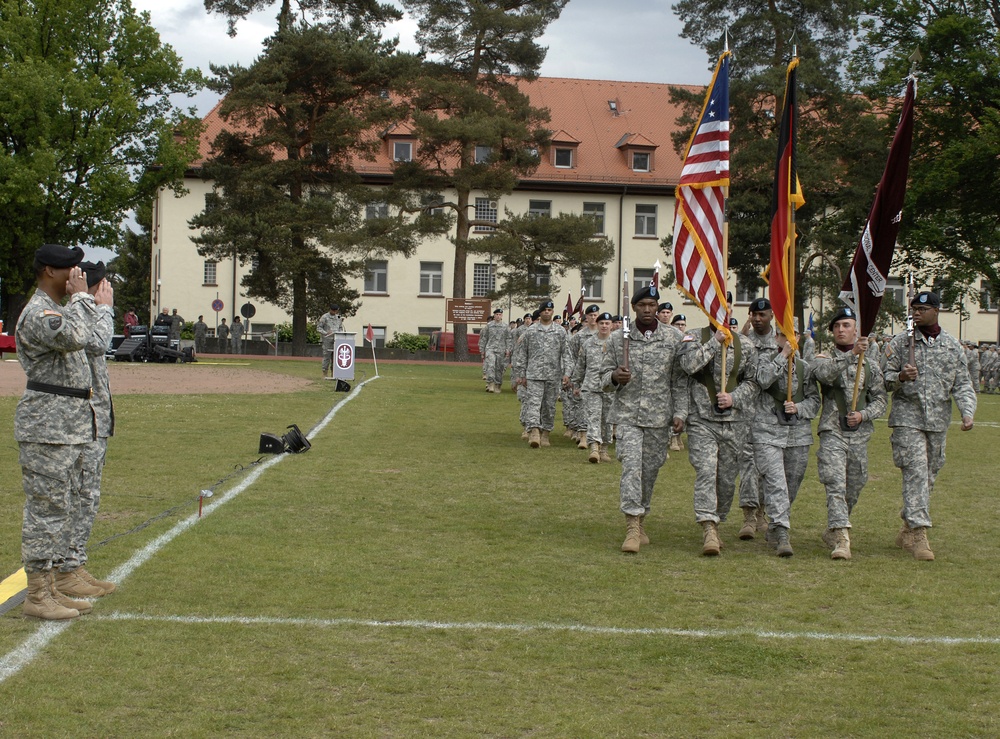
794 41
915 58
725 40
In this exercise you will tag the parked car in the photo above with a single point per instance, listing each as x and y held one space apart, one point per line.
444 341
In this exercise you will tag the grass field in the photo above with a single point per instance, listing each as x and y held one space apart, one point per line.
421 572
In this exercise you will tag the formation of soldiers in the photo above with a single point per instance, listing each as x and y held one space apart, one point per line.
747 404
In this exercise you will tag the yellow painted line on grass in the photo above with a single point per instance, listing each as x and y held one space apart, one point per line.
12 586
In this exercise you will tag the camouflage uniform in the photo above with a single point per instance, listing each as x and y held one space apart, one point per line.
573 404
596 399
842 457
328 323
972 360
236 335
200 332
538 359
223 335
176 326
521 391
82 520
644 408
921 412
807 348
751 493
494 343
782 452
714 438
53 431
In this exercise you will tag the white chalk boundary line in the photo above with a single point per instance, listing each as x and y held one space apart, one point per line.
47 631
523 628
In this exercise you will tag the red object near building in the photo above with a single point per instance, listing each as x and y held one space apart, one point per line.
444 341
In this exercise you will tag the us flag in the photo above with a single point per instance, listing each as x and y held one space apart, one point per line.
699 245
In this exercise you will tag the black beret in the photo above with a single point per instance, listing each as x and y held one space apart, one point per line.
527 315
497 310
678 317
760 304
664 306
845 312
54 255
592 309
734 322
647 292
534 316
616 317
95 272
546 304
605 316
926 298
334 307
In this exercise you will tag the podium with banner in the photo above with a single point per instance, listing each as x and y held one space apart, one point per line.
343 355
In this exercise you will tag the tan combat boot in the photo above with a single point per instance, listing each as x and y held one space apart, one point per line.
524 433
749 528
71 584
535 438
761 519
582 440
106 585
545 439
569 433
778 535
711 546
595 453
632 535
841 544
605 457
919 545
675 443
65 601
643 538
904 539
39 602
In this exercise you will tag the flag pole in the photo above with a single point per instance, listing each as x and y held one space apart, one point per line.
725 262
791 262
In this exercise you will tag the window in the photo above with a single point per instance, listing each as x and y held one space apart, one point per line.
377 276
595 211
641 278
483 154
540 208
564 158
427 330
746 291
402 151
210 275
645 220
986 297
432 199
593 287
484 280
431 278
486 210
376 210
894 289
946 290
378 333
640 161
539 274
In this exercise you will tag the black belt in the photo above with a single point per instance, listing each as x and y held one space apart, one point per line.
73 392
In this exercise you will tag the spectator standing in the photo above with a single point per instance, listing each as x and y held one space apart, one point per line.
223 335
200 332
236 334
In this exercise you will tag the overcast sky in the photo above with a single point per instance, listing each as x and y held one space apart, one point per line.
633 40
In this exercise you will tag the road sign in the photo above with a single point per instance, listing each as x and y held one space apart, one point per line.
217 305
248 310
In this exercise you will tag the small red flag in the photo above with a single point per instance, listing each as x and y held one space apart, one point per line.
369 334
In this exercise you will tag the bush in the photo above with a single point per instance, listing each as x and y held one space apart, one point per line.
312 335
410 342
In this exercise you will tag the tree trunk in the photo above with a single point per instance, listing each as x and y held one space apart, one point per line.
458 280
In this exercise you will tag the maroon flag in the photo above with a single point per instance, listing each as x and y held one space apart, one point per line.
864 285
579 306
568 311
370 335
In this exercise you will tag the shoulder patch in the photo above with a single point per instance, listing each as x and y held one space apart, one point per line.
687 337
54 322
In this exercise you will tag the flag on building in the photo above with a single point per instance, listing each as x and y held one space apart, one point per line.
785 198
699 220
865 283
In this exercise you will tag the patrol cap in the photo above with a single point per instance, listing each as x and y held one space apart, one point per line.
592 309
678 317
760 304
54 255
95 272
926 298
546 304
649 291
605 316
845 312
497 310
664 306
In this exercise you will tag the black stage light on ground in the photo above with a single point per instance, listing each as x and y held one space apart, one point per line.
293 442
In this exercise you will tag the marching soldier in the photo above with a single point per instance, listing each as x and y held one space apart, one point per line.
538 367
494 344
844 433
577 413
921 412
596 399
714 422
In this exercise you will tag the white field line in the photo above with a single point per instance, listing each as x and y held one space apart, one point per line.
20 656
549 627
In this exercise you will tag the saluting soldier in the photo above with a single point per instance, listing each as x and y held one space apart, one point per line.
921 412
54 420
844 432
650 397
714 422
538 367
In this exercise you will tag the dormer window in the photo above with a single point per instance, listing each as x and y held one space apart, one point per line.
641 161
564 150
402 151
483 154
638 151
563 158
